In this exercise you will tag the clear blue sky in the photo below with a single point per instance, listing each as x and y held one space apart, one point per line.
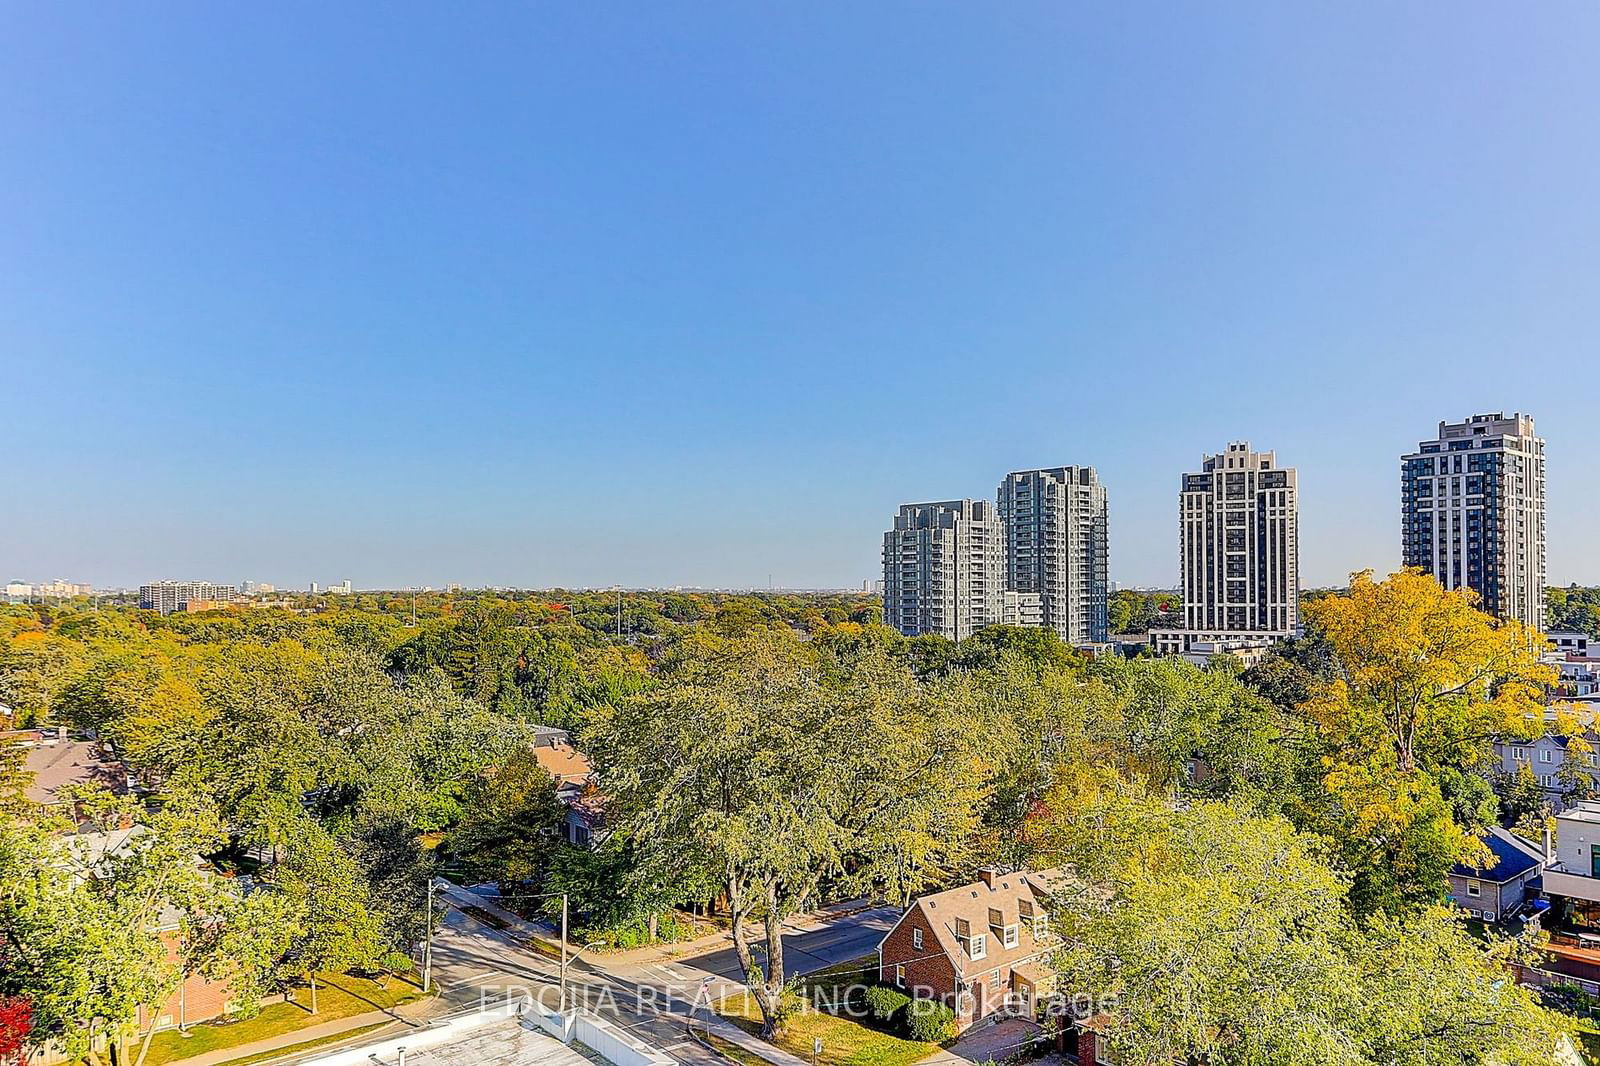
698 293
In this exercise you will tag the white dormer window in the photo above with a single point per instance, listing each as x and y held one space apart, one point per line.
916 939
980 946
1008 936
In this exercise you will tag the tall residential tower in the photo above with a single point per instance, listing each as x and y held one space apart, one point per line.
1472 512
944 569
1239 550
1057 547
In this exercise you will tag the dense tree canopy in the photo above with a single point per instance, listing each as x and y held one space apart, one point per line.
1210 935
1249 848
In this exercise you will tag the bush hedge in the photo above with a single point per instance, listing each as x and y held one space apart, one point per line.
885 1003
930 1021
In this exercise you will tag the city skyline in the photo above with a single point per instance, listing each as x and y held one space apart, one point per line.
847 582
270 304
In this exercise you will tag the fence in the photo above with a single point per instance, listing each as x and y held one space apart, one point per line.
1537 978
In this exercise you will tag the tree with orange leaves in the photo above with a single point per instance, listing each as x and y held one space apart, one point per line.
1423 675
1423 683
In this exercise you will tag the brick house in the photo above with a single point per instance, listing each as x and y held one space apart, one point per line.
1498 891
198 998
980 949
570 770
57 763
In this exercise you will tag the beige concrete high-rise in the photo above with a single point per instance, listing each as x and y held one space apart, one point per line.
1239 550
944 569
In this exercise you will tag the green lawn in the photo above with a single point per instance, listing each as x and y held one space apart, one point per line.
338 996
307 1045
845 1041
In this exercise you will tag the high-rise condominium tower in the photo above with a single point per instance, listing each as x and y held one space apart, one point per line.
1472 512
1057 546
1239 548
944 569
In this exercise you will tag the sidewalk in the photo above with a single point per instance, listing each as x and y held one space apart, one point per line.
726 1030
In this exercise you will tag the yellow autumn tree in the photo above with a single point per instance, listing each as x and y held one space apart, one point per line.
1424 676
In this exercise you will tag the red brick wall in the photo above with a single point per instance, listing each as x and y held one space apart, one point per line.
198 1000
926 968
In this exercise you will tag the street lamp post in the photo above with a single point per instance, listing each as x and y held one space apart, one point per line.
427 943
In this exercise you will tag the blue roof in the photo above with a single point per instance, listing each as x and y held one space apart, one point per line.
1509 862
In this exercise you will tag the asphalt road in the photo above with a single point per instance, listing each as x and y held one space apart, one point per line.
474 964
809 949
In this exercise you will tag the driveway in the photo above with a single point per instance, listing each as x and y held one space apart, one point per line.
995 1042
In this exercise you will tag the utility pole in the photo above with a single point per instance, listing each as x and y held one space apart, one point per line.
427 944
564 948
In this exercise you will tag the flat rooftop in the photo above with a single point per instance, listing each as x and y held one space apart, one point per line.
507 1043
1587 811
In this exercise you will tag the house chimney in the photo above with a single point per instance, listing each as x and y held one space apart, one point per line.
989 875
1549 844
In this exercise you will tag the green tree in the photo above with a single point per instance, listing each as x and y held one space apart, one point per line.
331 906
79 919
744 764
1521 796
1209 935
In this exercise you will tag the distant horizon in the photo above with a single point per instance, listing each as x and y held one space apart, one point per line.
303 589
698 296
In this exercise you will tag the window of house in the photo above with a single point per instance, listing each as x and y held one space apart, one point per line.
1519 754
916 939
1544 754
1547 780
980 946
1040 927
1008 936
1474 889
900 974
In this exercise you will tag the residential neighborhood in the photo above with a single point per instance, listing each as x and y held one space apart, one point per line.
826 534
